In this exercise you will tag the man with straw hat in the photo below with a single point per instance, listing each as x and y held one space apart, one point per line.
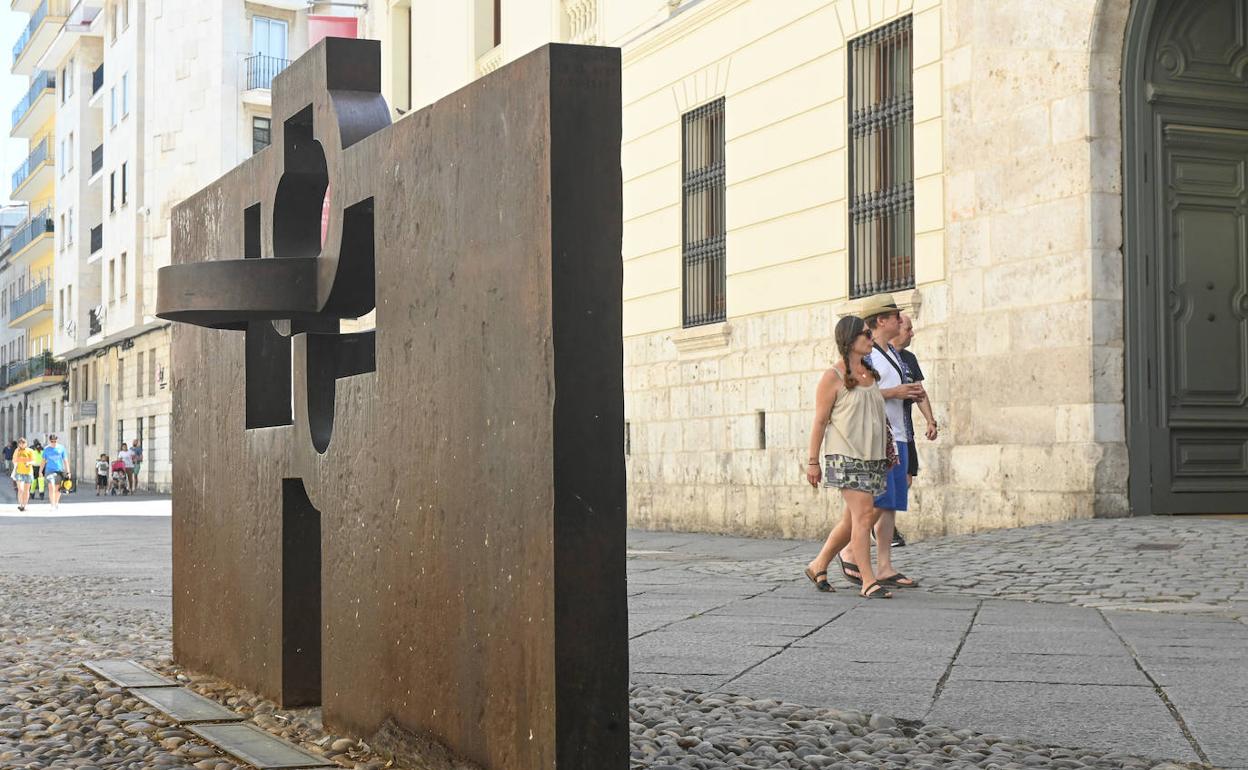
883 317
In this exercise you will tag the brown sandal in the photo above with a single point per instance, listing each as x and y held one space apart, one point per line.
880 592
895 580
820 579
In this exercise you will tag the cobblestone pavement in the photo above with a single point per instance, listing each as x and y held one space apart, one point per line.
1156 563
737 663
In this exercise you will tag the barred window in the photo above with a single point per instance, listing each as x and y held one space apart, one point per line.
881 161
702 213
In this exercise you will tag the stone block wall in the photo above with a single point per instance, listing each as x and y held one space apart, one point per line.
716 441
1018 305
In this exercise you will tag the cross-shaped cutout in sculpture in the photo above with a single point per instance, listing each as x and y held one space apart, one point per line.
299 279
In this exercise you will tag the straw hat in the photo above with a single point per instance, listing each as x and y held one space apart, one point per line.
878 304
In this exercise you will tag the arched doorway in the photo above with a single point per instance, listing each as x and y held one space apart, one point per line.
1185 197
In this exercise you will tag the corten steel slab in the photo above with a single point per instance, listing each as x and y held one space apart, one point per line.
425 525
127 673
184 706
257 747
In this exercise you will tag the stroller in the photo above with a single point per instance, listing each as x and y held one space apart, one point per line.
117 480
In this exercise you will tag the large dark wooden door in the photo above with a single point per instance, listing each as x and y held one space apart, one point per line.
1186 193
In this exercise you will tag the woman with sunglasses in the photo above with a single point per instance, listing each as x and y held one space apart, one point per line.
849 414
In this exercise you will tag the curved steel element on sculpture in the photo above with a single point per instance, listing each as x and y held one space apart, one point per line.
303 273
310 271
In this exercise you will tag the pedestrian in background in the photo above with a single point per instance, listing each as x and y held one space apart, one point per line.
8 457
849 402
136 449
127 462
910 363
101 475
55 465
23 472
37 466
883 317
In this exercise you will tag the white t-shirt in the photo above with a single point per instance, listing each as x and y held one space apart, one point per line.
128 459
894 408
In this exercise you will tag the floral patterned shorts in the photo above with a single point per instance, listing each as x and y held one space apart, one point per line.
851 473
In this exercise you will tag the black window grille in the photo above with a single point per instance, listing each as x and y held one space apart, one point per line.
702 214
261 133
881 161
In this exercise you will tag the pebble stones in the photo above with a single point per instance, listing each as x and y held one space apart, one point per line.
680 730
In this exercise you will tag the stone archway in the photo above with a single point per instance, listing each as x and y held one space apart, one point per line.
1185 212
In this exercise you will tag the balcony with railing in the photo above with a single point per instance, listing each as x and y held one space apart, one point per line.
33 104
34 228
36 169
34 371
97 238
45 22
28 304
261 70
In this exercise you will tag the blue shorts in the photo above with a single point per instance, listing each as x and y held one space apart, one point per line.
25 478
896 495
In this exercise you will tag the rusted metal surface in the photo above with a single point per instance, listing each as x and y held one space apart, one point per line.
460 469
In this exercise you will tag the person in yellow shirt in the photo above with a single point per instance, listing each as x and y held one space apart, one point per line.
23 472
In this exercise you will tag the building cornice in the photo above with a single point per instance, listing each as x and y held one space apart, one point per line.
682 21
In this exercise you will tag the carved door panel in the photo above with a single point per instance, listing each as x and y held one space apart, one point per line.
1199 451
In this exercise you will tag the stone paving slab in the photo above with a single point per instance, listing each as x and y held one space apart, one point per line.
258 748
184 706
127 673
1082 715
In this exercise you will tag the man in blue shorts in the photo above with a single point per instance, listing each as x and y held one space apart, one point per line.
883 316
55 461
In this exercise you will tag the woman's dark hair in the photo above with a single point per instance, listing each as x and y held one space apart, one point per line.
848 329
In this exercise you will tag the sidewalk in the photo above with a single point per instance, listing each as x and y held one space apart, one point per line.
84 502
1132 636
1118 639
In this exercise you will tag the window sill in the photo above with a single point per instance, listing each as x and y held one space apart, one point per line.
699 339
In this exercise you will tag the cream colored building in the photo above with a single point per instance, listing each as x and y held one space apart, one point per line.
1055 188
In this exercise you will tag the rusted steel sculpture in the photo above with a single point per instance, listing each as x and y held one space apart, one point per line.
420 528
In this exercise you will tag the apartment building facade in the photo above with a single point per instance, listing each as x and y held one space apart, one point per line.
157 99
1051 188
33 381
12 339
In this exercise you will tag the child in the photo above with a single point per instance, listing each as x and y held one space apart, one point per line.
101 475
118 480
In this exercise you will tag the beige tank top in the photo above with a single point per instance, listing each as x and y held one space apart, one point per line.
857 427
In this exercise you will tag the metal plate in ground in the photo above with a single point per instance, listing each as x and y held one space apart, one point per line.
256 747
185 706
127 673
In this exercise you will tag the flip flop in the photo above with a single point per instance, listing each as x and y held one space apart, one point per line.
846 567
895 580
880 592
819 579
